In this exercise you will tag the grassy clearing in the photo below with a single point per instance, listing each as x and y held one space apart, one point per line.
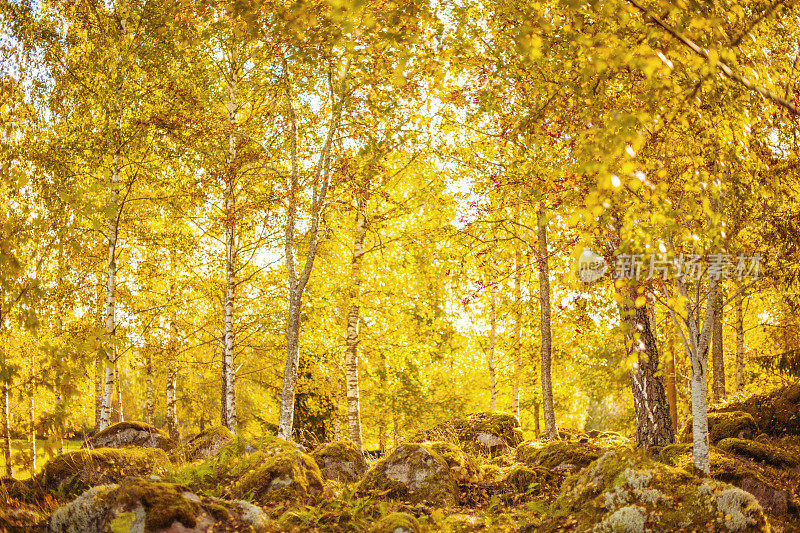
20 455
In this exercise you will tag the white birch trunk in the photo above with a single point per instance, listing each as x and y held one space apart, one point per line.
118 384
517 335
230 256
550 428
111 281
297 283
351 353
32 408
493 335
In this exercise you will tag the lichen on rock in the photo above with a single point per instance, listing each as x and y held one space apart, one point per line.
138 505
412 472
124 434
340 461
624 490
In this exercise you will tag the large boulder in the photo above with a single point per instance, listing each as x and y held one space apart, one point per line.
207 444
77 471
138 505
558 455
125 434
280 472
489 432
463 467
725 425
624 490
412 472
776 413
340 461
773 486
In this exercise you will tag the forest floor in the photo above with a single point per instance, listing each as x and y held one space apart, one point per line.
477 473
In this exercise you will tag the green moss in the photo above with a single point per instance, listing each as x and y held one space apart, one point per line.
164 503
733 424
670 453
760 452
463 466
474 432
396 523
207 443
76 471
413 472
280 473
340 461
493 473
554 453
522 479
624 486
146 431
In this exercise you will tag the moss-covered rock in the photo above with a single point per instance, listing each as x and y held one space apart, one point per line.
759 451
776 412
207 444
137 505
340 461
124 434
558 453
77 471
412 472
486 432
776 499
463 466
396 523
521 479
280 472
733 424
624 490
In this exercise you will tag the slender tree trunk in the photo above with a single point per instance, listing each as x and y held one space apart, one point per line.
99 379
117 374
653 418
550 428
717 354
223 409
356 281
297 284
230 255
32 408
672 389
7 432
111 282
517 334
739 343
172 371
699 339
59 361
172 412
493 335
150 407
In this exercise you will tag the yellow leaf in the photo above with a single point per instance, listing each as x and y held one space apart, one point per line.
641 301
